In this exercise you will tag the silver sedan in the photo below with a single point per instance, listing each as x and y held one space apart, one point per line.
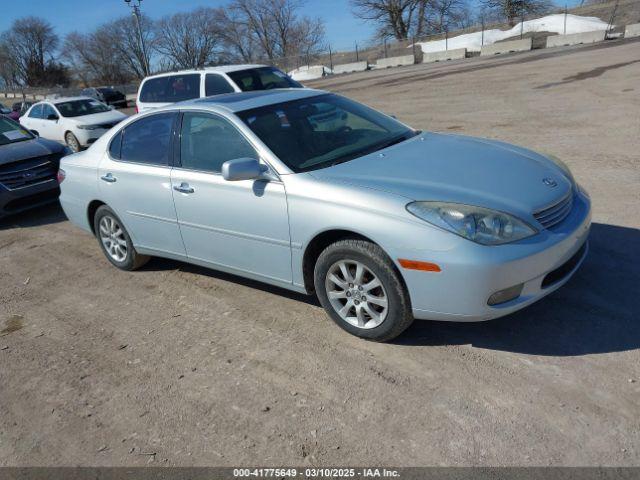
315 193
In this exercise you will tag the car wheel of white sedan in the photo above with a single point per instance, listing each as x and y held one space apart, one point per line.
115 241
72 142
361 290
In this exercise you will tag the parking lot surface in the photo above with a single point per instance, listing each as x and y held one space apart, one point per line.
178 365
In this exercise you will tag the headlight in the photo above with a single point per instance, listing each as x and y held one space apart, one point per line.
478 224
88 127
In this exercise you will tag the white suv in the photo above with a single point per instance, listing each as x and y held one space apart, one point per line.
167 88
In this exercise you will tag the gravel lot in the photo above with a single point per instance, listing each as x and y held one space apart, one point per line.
177 365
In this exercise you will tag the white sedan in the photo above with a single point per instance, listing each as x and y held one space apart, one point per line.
76 121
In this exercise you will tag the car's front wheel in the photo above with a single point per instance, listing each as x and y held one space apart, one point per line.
115 241
72 142
361 290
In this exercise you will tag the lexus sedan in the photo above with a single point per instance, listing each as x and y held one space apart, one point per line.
76 121
28 169
382 222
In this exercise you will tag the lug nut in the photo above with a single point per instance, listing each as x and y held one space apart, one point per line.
360 287
357 302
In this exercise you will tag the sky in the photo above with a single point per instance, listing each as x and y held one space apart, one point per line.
342 28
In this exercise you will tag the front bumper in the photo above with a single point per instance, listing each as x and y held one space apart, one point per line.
471 273
87 137
21 199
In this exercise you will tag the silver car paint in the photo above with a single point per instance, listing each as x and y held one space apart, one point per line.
261 229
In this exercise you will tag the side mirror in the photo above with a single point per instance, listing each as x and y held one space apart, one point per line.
242 169
52 116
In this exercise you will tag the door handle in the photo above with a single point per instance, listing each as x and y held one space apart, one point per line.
109 178
183 188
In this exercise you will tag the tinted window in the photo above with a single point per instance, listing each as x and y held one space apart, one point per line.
116 145
148 140
320 131
78 108
216 85
36 112
48 110
174 88
264 78
208 141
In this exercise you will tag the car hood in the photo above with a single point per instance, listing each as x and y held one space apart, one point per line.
111 116
37 147
455 168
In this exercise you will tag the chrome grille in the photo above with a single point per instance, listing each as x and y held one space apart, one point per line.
556 213
28 172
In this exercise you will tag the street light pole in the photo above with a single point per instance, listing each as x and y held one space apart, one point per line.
137 14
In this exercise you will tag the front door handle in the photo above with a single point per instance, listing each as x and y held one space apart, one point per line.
183 188
109 178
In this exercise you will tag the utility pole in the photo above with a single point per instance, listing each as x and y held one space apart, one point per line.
135 11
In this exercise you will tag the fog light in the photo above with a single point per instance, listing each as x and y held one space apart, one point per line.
505 295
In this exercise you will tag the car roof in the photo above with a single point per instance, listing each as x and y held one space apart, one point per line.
239 101
219 68
58 100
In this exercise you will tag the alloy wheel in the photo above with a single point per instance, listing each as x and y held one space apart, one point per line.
113 239
356 294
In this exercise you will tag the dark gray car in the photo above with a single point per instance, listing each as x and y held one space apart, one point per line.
28 168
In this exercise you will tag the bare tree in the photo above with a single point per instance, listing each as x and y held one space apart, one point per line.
127 44
445 14
189 40
238 41
276 27
397 18
513 9
30 45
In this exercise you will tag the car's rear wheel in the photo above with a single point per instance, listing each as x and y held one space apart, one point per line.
115 241
72 142
361 290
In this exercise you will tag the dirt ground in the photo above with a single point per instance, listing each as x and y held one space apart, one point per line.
177 365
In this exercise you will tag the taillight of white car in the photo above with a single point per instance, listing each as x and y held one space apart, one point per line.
61 175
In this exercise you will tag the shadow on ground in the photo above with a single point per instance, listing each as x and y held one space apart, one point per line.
597 311
45 215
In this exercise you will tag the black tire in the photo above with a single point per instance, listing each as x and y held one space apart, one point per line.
399 315
72 142
133 260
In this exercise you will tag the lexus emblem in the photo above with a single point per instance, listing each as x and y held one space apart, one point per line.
550 182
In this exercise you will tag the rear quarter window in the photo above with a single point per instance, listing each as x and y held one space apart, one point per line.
171 89
216 85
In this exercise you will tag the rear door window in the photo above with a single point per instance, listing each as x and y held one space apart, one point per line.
171 89
148 140
36 112
216 85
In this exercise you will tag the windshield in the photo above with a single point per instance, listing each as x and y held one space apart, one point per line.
321 131
12 132
263 78
78 108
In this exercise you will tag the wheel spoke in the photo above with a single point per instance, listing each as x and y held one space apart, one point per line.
345 272
373 284
359 273
360 315
375 316
345 310
337 294
380 301
337 281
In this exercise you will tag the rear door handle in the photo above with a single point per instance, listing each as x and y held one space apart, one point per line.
183 188
109 178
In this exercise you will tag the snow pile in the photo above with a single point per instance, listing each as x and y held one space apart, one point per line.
550 23
309 72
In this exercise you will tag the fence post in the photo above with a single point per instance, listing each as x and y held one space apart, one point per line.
357 59
413 47
565 18
482 38
330 59
446 39
385 48
522 23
